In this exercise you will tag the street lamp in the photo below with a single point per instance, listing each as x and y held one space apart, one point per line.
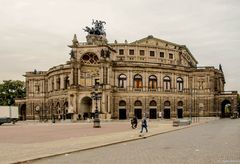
96 95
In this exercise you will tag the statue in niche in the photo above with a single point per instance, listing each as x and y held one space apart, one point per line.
105 53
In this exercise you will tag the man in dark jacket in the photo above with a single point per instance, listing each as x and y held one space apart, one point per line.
144 124
134 122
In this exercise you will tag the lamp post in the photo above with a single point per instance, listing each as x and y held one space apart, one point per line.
96 95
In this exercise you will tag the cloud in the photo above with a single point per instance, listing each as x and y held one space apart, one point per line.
35 34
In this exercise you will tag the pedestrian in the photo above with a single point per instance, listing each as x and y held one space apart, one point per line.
79 116
144 125
134 122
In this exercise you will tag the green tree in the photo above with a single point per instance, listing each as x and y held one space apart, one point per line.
11 89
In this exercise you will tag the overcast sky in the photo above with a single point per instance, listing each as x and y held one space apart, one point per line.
34 34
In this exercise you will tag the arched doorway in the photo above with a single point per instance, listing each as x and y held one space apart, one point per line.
86 107
122 110
22 112
167 111
225 109
153 110
138 109
180 109
59 112
67 115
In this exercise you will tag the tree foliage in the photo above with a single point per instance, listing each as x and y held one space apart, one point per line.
10 90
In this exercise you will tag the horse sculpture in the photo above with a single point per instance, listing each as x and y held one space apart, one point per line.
98 28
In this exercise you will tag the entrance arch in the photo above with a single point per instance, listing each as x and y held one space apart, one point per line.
167 111
58 111
22 112
86 107
67 115
225 109
122 110
153 110
138 109
180 109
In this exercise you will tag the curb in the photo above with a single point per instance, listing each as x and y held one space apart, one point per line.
109 144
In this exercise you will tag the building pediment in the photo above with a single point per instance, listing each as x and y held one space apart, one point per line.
152 41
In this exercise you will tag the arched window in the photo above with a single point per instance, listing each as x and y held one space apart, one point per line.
137 81
66 82
179 84
65 110
180 103
89 58
166 83
138 103
58 108
152 82
53 84
58 83
153 103
167 104
122 103
122 81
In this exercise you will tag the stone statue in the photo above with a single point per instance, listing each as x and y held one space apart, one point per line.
98 28
72 54
220 67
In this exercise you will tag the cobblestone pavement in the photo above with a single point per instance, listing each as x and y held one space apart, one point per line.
35 132
213 143
30 140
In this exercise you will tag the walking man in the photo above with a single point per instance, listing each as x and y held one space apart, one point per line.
144 125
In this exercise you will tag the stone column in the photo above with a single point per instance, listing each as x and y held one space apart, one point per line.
109 103
130 77
79 76
145 77
61 81
71 77
49 85
55 82
101 75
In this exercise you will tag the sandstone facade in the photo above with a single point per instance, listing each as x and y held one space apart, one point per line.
150 76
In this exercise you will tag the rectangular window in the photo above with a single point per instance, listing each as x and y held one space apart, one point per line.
131 52
142 52
170 56
152 53
121 52
161 54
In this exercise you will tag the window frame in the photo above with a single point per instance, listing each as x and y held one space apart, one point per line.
161 53
142 52
137 81
170 56
179 83
121 52
166 83
152 53
152 82
131 51
122 81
